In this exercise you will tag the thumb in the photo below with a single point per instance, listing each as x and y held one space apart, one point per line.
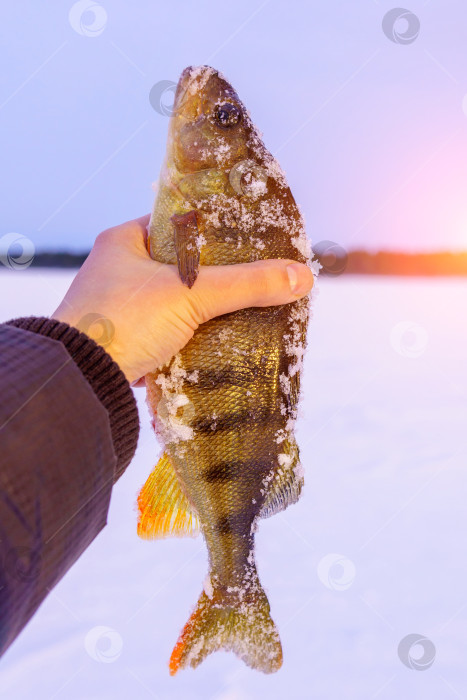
224 288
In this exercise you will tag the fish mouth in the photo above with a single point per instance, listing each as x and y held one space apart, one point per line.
190 85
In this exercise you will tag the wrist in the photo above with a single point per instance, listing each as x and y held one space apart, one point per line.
99 328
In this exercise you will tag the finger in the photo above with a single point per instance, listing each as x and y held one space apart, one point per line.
131 233
138 228
221 289
143 220
143 223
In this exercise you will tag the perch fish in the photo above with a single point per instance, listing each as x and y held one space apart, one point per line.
226 405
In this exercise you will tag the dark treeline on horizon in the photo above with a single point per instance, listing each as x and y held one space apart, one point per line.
335 261
59 259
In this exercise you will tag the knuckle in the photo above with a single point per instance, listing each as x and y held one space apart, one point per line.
105 237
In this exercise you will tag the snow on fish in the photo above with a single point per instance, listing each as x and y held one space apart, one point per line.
226 405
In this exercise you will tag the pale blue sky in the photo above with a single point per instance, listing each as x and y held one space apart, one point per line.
371 133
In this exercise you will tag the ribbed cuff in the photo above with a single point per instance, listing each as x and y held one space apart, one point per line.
105 377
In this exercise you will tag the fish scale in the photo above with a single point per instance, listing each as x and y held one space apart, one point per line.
226 405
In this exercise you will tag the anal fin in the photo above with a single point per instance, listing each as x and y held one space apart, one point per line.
186 246
286 486
164 510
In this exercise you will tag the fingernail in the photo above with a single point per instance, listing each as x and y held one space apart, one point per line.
300 279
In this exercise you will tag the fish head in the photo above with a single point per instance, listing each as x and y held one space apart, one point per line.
210 127
227 192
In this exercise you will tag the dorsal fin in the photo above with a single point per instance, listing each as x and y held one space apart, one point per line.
287 484
164 510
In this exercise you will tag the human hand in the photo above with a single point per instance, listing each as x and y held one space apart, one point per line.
151 314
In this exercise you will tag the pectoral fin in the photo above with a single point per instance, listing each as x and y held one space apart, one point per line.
186 246
286 487
164 510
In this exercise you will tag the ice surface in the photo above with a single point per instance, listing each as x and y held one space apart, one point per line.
382 441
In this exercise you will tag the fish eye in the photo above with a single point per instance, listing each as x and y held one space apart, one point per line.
227 114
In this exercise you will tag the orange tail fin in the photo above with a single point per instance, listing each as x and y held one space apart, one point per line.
230 623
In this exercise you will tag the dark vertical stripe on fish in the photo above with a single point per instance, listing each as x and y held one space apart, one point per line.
234 524
232 420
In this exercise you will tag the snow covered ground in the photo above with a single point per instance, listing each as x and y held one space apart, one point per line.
383 439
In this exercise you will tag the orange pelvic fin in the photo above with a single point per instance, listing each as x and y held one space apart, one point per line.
234 623
164 510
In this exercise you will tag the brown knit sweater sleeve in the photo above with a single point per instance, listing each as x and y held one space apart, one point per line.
68 429
105 377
